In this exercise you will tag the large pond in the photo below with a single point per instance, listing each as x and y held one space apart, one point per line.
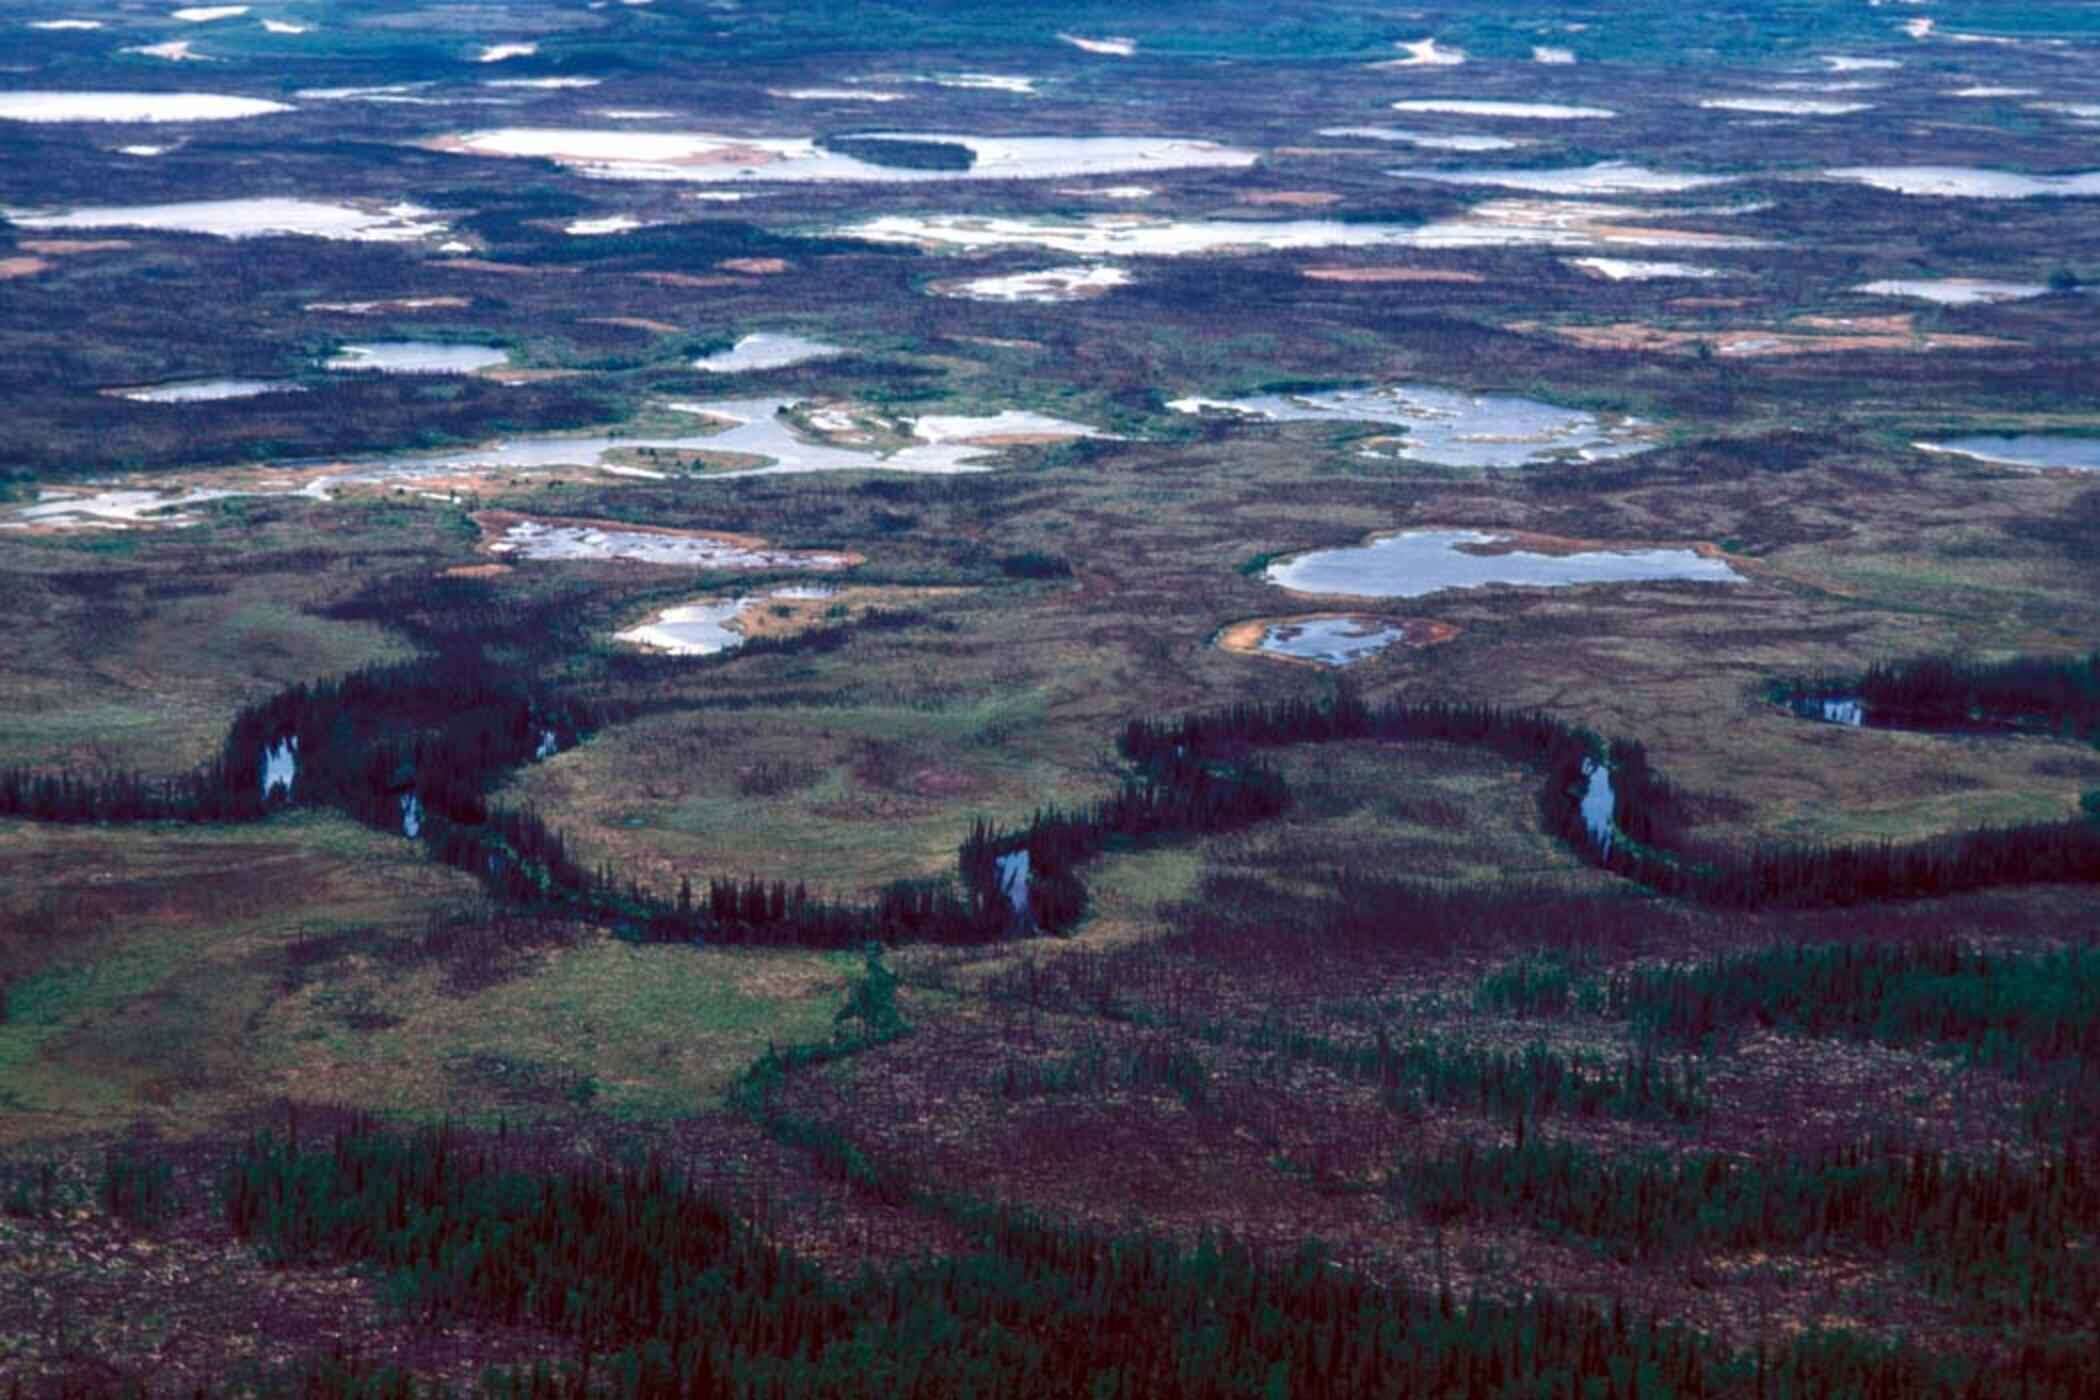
417 357
709 157
249 218
1415 563
1496 223
204 390
1050 284
1965 182
1952 291
594 540
1605 177
1427 140
1446 426
1524 111
707 626
766 350
131 107
2025 450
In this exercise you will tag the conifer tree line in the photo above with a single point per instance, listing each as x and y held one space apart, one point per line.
1650 841
417 747
1941 692
2006 1241
657 1289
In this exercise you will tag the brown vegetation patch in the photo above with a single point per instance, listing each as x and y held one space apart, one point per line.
515 374
1390 274
632 323
1244 638
782 617
476 571
389 306
66 247
1301 199
1825 335
483 265
756 267
1530 542
687 279
22 267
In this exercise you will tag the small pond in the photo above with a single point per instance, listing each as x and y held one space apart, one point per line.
280 765
1598 804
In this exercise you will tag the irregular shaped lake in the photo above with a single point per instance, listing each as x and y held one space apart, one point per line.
1415 563
1446 426
603 540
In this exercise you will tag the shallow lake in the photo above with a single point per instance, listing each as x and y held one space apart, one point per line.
1968 183
1952 291
131 107
705 157
417 357
707 626
1051 284
577 540
1427 140
1414 563
249 218
2025 450
204 390
1605 177
1446 426
1527 111
766 350
1331 641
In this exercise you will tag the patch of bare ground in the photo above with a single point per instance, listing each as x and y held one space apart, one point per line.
756 267
71 247
693 281
633 323
1296 199
22 267
520 374
1392 274
502 268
